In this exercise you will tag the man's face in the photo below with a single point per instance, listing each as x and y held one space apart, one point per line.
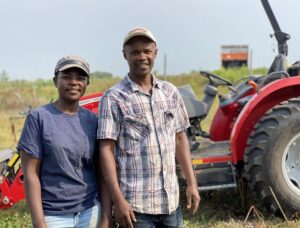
71 84
140 53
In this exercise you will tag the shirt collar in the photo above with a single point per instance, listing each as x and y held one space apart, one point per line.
133 87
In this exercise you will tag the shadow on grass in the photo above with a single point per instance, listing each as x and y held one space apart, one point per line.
228 208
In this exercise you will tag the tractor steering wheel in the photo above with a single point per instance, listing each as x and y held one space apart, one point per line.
215 80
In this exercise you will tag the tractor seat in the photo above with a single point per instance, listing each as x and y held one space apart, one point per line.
278 64
243 101
194 107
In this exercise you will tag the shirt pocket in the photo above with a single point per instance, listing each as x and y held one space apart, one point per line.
135 129
169 121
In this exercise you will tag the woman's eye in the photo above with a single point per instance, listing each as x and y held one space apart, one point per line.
81 78
66 77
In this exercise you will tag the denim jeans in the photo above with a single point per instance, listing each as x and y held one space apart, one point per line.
173 220
89 218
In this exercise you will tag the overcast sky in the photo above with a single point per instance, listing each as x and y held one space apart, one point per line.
36 33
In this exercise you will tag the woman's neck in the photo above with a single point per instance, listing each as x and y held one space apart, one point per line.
66 107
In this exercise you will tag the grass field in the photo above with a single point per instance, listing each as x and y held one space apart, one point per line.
225 208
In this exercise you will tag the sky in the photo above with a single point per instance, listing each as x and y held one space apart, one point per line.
36 33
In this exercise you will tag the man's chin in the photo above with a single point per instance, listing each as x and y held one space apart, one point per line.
144 72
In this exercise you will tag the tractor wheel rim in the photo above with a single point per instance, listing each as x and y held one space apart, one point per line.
291 164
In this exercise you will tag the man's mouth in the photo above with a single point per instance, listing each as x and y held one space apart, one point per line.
143 65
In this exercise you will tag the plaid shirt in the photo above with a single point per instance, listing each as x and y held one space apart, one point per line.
144 127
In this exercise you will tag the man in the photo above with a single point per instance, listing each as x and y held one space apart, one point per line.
141 130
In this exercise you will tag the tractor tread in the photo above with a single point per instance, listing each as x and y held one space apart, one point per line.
258 143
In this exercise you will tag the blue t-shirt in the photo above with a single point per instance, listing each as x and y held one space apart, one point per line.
65 144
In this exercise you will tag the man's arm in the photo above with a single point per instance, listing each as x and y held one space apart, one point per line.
184 160
106 207
31 170
122 210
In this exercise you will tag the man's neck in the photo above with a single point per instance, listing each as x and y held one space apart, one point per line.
145 82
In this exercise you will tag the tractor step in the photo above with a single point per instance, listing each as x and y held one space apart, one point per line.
208 148
216 187
215 176
209 152
212 176
212 164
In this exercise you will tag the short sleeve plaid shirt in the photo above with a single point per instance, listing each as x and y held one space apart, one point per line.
144 127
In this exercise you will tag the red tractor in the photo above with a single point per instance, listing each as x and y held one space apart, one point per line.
254 134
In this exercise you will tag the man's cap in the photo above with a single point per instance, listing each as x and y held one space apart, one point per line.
70 61
139 32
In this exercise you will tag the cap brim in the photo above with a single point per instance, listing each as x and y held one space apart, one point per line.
138 34
68 66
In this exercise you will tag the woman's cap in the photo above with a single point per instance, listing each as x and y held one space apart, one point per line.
70 61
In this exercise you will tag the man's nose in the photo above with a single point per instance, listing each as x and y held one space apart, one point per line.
141 56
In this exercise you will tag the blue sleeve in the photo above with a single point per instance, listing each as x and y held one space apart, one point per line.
31 138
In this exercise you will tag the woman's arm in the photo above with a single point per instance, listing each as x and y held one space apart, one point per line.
106 203
31 170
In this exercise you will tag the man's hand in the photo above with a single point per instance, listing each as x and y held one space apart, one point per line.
124 213
184 159
192 198
122 210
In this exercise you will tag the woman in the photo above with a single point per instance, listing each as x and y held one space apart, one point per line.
57 148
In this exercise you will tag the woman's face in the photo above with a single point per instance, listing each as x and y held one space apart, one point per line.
71 84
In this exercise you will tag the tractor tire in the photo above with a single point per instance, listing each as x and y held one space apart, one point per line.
272 159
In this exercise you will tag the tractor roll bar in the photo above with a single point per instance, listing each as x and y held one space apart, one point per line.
280 36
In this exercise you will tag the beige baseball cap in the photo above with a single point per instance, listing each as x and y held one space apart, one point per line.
70 61
139 32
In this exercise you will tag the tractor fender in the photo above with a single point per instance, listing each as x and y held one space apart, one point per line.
267 97
91 102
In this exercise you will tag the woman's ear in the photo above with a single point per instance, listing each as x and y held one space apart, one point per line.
55 80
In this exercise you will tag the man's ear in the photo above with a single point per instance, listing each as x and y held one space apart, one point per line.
124 54
156 50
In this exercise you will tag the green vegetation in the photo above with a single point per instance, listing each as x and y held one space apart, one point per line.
100 74
226 208
15 217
